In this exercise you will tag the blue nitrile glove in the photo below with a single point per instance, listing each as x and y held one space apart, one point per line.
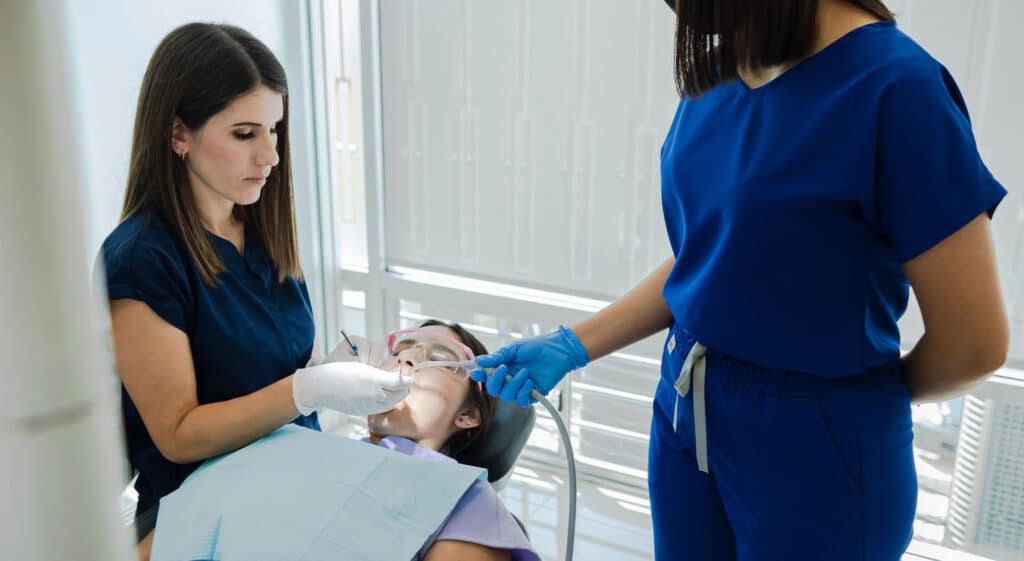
540 361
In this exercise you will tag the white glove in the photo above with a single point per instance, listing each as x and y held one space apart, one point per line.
349 387
373 353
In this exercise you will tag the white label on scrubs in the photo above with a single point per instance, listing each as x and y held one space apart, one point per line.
671 344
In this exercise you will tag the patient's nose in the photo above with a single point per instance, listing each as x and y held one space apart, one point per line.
407 359
411 355
407 368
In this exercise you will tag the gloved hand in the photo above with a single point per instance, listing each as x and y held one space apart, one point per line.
349 387
540 361
373 353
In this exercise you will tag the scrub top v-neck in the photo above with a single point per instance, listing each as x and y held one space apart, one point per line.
245 333
791 207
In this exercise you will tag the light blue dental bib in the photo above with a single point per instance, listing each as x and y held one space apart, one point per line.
302 495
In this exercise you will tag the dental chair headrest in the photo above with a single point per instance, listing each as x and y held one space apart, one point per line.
500 449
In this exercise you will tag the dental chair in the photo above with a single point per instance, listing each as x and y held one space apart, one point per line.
498 453
505 441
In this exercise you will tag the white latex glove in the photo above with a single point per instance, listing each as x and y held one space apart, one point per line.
349 387
373 353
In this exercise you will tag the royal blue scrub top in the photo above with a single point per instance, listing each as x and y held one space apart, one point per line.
245 334
791 207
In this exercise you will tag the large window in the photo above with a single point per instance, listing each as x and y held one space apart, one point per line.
496 163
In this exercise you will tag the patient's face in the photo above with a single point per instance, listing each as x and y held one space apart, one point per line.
435 406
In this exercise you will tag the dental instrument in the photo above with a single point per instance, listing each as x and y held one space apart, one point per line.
352 348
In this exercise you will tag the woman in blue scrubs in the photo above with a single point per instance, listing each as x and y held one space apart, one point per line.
819 164
211 321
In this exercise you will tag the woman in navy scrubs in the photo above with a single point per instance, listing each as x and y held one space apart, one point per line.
819 164
211 321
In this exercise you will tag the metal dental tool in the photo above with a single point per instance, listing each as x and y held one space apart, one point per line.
352 348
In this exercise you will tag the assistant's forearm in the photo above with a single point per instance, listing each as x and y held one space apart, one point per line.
937 372
640 313
217 428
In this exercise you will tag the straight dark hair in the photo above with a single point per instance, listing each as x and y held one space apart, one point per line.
197 70
714 38
462 442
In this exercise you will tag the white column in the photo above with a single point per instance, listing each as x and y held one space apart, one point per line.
61 456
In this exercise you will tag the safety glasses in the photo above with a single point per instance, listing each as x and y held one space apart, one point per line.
430 347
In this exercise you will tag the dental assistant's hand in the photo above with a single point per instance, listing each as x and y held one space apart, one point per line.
349 387
372 353
540 362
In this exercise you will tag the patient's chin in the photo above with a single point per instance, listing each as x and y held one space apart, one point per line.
383 424
376 425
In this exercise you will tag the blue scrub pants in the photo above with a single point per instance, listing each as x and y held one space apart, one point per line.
800 467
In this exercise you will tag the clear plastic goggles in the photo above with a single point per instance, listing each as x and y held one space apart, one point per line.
430 347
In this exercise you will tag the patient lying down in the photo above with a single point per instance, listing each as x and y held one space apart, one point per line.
448 413
298 494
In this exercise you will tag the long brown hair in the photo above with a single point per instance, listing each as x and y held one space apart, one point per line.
463 441
195 72
716 37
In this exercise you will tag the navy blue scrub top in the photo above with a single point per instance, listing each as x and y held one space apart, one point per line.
791 207
245 334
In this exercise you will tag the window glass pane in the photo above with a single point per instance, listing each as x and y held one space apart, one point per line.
353 312
986 488
510 152
343 81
